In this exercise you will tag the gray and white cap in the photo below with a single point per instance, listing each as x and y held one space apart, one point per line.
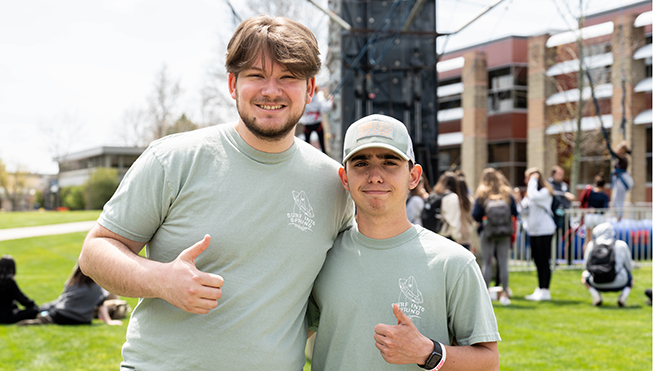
378 131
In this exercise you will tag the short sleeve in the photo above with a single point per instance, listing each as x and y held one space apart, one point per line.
471 318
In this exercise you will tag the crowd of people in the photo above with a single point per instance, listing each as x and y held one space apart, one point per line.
490 218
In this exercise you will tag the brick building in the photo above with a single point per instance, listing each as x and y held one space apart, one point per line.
512 103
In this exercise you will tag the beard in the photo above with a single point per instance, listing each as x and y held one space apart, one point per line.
271 134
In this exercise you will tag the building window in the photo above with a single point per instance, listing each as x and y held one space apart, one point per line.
449 158
507 89
509 157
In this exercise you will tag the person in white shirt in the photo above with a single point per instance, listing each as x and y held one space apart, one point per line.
450 208
540 227
604 235
312 118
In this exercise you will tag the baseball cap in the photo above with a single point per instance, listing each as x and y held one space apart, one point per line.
378 131
603 234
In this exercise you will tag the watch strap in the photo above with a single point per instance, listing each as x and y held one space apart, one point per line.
433 362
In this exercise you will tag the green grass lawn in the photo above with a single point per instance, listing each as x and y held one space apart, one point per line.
34 218
564 334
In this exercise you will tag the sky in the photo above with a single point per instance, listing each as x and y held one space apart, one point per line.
79 66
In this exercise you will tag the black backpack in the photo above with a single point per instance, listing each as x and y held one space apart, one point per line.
498 221
601 264
558 211
432 212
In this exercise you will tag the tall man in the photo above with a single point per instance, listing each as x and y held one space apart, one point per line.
238 219
387 271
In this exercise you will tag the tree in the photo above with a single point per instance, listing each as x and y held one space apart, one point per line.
574 145
62 133
181 125
13 186
133 128
100 187
162 103
73 197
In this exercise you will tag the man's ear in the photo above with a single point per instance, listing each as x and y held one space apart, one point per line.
343 177
415 176
311 87
232 85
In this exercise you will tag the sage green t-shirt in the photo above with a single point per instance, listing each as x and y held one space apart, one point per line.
435 282
271 218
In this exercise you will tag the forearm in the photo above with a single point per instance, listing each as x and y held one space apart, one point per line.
118 269
482 356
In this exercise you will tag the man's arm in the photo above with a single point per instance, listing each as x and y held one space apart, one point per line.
403 344
113 262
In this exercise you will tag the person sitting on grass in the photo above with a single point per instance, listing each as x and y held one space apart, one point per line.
10 295
604 237
76 304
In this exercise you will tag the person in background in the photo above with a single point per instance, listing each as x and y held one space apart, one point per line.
597 200
76 305
420 296
560 188
493 189
622 182
11 295
312 119
415 203
237 220
467 222
447 186
604 235
540 227
595 197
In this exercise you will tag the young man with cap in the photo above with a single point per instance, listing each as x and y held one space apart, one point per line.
420 296
265 205
603 238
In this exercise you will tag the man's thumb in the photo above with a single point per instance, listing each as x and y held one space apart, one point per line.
400 316
191 253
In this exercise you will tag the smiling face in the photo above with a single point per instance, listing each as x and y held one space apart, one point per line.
379 180
269 99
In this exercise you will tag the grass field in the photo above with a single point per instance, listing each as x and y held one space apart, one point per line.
564 334
34 218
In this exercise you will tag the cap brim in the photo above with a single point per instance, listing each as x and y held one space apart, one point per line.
604 240
375 145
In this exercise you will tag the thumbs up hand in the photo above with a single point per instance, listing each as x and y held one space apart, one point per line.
402 343
188 288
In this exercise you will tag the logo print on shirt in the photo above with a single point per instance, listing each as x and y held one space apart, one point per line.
410 298
302 214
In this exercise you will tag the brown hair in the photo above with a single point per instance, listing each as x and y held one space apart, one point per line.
288 43
78 277
494 186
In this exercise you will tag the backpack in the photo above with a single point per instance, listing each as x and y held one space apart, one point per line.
498 219
432 213
558 211
601 264
584 197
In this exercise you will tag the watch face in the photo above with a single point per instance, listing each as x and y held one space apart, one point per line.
433 360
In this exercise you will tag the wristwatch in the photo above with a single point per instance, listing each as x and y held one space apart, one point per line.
437 357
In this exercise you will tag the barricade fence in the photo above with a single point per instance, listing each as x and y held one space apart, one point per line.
633 225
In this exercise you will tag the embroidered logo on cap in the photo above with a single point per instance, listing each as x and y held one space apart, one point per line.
375 129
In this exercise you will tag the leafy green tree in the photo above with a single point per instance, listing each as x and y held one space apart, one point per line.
73 197
100 187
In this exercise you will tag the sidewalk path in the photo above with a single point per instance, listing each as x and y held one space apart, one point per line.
45 230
